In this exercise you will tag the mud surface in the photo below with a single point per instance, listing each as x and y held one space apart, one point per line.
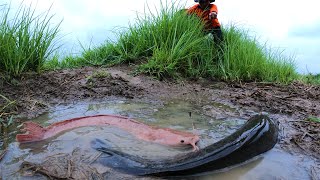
290 105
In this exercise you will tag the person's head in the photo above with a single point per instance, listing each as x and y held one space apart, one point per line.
203 3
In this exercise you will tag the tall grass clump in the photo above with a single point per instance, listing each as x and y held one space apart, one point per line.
246 60
26 40
167 42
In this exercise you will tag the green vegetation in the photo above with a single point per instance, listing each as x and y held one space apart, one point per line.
96 74
311 79
7 104
171 44
166 44
26 40
313 119
5 122
101 74
245 59
5 118
68 62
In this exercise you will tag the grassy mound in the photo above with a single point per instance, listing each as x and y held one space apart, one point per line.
171 43
166 44
26 40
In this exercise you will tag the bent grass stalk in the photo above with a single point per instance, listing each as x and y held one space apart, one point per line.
6 105
5 121
26 40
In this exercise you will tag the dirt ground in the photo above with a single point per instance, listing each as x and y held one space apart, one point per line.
290 105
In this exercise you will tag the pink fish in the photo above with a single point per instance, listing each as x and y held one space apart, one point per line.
165 136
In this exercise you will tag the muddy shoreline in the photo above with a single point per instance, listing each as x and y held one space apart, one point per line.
289 104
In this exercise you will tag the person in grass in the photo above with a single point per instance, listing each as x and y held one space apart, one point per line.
209 14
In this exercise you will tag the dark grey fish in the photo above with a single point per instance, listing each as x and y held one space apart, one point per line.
258 135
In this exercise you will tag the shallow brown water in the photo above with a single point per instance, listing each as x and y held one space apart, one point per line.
275 164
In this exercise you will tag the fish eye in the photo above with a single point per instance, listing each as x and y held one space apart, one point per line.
182 141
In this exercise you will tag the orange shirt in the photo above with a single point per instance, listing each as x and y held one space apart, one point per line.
204 15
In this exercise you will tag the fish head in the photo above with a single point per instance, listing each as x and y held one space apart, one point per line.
192 140
185 141
177 138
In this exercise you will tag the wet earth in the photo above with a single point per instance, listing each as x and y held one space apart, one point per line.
290 105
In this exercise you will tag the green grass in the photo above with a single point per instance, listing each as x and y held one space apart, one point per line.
313 119
311 79
165 43
67 62
5 122
97 56
26 40
6 104
6 119
169 44
245 59
173 45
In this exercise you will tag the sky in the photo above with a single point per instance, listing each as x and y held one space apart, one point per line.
289 26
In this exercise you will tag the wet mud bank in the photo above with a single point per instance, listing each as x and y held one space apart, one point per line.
290 105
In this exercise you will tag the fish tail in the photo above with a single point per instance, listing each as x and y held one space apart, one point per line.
33 132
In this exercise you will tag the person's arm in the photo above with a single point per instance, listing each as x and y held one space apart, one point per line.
213 12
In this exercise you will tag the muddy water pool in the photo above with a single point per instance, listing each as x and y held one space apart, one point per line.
275 164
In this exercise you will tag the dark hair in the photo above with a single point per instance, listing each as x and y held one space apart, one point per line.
198 1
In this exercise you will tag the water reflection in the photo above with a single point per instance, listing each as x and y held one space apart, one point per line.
275 164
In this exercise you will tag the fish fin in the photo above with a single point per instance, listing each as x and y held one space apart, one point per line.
195 147
33 132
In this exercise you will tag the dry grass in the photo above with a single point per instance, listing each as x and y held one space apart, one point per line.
64 166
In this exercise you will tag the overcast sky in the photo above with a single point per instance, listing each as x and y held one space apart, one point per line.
291 25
